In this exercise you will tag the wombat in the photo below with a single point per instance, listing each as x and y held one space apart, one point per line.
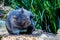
20 21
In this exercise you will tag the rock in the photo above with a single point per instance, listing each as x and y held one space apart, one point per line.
7 8
37 32
2 23
43 36
40 38
58 32
21 37
26 37
3 30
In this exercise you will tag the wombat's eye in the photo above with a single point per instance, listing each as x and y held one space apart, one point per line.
14 17
31 17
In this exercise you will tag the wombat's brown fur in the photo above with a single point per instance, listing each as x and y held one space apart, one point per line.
20 20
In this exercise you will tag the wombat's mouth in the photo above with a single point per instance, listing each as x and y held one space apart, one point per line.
20 24
23 24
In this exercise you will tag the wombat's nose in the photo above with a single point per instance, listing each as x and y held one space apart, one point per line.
29 22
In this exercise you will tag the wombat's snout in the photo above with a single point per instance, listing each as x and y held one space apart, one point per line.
27 23
24 23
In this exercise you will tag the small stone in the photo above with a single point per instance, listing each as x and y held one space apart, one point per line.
44 36
40 38
58 32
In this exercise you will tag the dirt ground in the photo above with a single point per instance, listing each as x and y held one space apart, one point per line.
36 35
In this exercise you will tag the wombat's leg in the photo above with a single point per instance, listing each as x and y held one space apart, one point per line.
23 33
30 29
8 27
11 30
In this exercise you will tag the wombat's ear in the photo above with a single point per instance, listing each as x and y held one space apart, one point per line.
22 11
